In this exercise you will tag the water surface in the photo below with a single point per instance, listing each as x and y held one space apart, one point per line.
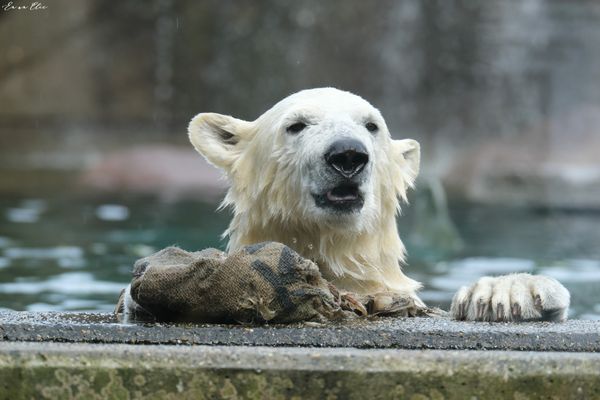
75 253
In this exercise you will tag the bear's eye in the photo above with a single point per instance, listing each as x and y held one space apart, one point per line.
297 127
371 127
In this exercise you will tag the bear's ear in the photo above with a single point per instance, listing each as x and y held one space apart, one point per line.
219 138
408 153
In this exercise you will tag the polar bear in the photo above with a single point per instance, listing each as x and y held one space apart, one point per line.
320 172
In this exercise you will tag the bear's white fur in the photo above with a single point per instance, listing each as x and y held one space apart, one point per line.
275 174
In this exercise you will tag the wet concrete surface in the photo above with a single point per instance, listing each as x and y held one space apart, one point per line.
394 333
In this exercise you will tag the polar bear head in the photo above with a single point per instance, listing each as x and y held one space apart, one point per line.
319 172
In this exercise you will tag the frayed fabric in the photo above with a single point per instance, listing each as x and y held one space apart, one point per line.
261 283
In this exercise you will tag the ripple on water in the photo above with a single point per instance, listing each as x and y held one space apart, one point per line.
28 211
594 317
65 305
436 296
466 271
22 215
57 252
121 236
71 263
112 212
70 283
587 271
141 250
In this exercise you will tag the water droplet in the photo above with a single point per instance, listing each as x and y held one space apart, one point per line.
310 246
294 240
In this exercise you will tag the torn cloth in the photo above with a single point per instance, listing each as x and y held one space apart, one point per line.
265 282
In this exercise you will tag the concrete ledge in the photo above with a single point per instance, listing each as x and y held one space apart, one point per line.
71 370
379 359
409 333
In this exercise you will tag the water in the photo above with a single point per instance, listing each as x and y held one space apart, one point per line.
75 253
562 244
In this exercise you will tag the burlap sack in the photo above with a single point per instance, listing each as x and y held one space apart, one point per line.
265 282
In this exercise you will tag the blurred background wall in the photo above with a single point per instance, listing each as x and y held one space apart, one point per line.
503 95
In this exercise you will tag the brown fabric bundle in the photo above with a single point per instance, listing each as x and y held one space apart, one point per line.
265 282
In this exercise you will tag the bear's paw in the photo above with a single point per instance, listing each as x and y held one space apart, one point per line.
515 297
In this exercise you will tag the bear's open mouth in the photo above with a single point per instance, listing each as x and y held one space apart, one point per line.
345 197
343 193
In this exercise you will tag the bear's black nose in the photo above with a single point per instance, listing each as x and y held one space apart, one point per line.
347 156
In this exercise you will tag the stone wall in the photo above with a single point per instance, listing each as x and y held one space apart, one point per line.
503 94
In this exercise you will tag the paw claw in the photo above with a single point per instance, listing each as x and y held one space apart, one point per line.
482 309
516 310
538 302
499 312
